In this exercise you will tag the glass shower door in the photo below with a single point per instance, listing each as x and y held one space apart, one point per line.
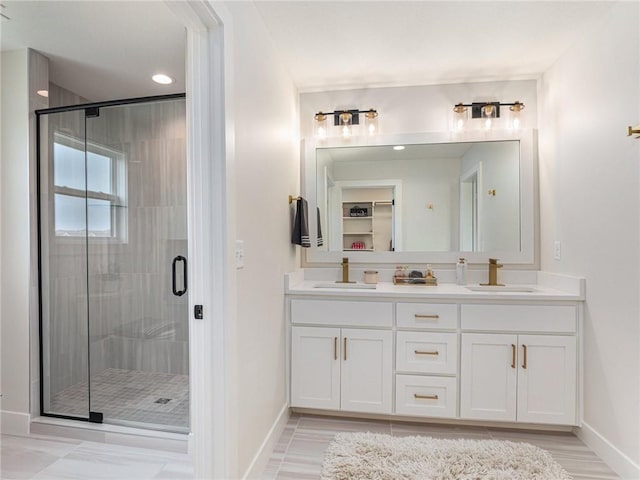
113 263
137 264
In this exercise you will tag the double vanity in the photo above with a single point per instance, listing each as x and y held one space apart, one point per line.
467 353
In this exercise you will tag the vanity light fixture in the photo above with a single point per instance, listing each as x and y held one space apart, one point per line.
345 120
487 112
162 79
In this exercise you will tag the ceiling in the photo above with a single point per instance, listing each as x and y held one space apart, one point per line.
100 50
106 50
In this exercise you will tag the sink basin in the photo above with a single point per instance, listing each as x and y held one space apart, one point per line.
501 288
345 285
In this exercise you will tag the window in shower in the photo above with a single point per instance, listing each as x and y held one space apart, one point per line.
102 171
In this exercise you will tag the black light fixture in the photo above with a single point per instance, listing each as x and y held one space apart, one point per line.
345 119
486 111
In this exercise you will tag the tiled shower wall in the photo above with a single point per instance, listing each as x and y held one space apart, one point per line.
135 322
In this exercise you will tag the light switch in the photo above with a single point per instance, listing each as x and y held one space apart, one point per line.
239 254
557 251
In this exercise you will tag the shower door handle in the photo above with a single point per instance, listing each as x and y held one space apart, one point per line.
176 292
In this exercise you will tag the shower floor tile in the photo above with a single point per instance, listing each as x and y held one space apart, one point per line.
161 399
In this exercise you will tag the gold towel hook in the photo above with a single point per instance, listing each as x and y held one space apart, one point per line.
292 198
633 131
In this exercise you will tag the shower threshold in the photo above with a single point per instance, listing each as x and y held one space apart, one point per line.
111 434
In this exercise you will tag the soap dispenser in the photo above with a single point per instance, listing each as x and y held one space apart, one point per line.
461 272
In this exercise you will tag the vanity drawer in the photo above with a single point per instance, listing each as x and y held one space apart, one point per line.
427 315
336 312
426 396
520 318
426 352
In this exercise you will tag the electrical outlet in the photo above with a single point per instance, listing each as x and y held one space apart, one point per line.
557 251
239 254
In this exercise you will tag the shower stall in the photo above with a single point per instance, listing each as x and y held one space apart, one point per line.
112 201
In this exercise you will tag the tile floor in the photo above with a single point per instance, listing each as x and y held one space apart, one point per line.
130 395
54 458
299 452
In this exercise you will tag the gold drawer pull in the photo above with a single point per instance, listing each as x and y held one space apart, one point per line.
524 355
420 352
421 316
425 397
345 348
335 348
513 356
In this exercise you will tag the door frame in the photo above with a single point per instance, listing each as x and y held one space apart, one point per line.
211 231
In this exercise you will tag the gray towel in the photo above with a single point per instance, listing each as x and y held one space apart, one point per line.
320 241
301 224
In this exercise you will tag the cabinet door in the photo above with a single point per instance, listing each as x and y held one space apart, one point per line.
366 371
315 367
547 379
488 376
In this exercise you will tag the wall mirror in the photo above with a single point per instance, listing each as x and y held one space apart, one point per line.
423 198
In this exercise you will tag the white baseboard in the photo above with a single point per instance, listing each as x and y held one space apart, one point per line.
609 453
260 460
14 423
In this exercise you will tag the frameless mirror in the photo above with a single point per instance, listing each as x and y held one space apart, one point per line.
437 195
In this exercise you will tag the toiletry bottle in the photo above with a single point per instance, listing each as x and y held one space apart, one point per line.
461 272
399 273
429 272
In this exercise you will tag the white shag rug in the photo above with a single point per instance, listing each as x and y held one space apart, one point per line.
373 456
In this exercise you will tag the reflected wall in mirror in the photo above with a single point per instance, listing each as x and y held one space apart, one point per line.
437 197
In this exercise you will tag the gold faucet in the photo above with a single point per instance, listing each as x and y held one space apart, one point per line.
493 273
345 271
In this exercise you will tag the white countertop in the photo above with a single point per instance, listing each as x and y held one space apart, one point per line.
449 291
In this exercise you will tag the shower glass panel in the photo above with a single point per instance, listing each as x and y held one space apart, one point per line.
63 266
117 196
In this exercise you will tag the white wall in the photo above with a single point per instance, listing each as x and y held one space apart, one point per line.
267 170
420 108
15 237
589 183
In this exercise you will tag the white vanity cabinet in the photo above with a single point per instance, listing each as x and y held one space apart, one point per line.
338 368
514 376
469 357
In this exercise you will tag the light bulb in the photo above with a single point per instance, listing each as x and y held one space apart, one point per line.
489 112
371 122
345 123
516 111
320 126
459 117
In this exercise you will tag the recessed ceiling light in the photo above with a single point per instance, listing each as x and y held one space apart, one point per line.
399 147
43 93
162 79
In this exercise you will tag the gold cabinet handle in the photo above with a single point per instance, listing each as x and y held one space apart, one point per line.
422 316
420 352
345 348
513 356
524 356
335 348
425 397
